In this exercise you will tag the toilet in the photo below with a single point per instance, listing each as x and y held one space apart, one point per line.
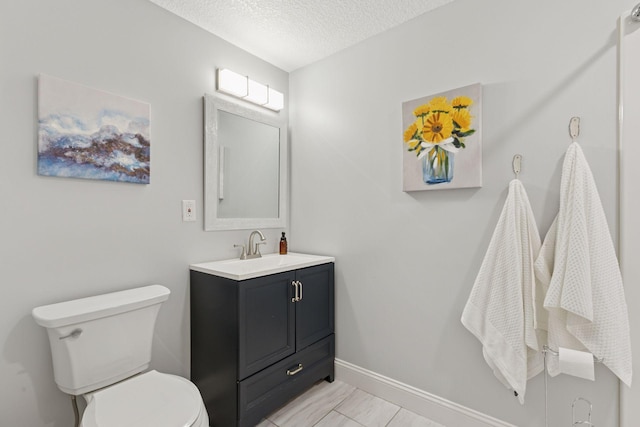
101 350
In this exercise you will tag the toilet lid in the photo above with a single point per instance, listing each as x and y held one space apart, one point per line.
150 399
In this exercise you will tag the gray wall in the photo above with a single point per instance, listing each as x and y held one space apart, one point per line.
65 238
406 262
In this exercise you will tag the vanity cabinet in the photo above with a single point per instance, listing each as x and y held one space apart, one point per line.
259 342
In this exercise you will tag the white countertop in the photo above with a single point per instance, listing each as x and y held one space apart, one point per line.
238 269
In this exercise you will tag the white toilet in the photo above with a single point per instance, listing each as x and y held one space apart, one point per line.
101 347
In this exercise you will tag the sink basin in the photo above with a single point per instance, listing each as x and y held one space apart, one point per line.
237 269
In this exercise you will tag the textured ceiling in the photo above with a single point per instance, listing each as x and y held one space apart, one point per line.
293 33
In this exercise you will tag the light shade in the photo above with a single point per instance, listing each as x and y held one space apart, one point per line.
250 90
232 83
276 100
258 93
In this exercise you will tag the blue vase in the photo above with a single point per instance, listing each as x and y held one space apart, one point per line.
437 166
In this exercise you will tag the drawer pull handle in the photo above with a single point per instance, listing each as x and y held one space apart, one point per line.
292 372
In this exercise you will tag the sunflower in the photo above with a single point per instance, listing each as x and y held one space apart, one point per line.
462 118
414 145
440 104
410 132
437 127
422 110
461 102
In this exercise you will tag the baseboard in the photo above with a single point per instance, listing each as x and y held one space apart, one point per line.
440 410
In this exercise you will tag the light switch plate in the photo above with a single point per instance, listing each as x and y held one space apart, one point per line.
188 210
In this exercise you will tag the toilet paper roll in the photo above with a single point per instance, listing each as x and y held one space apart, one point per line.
576 363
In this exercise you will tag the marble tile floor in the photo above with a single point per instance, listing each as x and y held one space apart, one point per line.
339 404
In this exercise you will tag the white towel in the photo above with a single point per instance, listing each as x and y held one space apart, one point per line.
578 268
500 309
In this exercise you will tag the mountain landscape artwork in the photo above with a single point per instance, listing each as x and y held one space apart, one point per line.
92 134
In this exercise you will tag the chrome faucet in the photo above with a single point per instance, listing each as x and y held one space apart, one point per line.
254 252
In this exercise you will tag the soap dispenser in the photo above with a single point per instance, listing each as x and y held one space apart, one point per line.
283 245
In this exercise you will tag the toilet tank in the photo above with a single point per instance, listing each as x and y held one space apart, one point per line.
100 340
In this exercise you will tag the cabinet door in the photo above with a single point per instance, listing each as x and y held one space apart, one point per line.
314 313
266 322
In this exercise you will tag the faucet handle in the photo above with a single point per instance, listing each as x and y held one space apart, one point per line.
244 251
257 251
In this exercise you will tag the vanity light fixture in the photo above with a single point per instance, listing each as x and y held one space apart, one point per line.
250 90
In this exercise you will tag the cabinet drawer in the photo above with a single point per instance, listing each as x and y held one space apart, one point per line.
263 392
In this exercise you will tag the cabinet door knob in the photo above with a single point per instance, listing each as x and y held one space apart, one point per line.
292 372
300 292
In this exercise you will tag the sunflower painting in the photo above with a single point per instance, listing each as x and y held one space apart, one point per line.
443 147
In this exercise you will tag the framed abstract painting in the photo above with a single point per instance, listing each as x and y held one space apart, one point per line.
442 140
88 133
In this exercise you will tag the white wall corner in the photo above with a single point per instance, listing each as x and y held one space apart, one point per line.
419 401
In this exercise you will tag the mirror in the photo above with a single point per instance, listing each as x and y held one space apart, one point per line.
245 167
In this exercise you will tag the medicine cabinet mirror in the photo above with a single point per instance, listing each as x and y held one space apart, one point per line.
245 171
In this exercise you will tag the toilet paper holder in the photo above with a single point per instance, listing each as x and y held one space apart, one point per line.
548 350
586 422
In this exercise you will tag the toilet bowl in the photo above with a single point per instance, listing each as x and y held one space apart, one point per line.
101 350
148 399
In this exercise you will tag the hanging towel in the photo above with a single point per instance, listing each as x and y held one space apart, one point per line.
579 271
500 309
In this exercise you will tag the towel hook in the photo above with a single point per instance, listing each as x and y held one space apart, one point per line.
517 164
574 128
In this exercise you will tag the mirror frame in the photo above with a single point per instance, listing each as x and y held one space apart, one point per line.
213 104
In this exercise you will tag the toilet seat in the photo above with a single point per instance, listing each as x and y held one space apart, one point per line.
149 399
